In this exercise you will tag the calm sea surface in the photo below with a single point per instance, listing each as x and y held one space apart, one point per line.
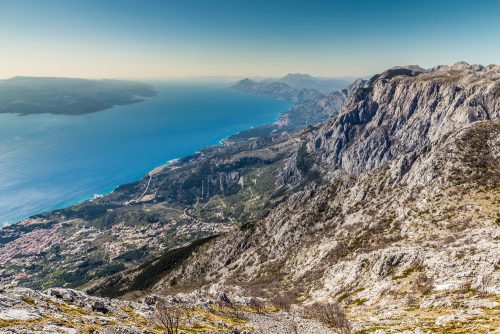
52 161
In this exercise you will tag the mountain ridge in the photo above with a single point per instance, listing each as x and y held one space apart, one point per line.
305 81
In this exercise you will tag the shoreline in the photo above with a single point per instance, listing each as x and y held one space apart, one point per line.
155 170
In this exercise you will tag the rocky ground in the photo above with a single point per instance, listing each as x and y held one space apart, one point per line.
206 311
69 311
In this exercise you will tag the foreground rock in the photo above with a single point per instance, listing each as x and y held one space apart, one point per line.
69 311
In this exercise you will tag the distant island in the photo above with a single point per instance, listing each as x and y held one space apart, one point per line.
68 96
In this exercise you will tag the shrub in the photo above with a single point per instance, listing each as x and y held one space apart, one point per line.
257 305
330 314
283 302
424 284
343 296
360 301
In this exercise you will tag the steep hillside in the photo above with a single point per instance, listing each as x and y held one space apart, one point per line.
402 111
405 234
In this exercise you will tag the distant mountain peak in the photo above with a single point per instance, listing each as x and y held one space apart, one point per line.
413 68
298 75
323 85
246 80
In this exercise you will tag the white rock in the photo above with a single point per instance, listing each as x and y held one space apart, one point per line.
18 314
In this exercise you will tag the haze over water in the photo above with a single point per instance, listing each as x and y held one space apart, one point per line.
52 161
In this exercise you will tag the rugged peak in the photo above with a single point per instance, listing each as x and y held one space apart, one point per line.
355 85
460 73
462 65
402 110
409 71
413 68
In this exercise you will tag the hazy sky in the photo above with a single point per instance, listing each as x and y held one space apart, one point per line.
161 39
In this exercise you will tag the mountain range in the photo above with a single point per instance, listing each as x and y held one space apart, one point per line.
322 85
374 209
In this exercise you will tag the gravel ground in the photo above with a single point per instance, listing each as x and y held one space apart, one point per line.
284 323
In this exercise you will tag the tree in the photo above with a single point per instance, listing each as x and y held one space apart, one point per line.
167 316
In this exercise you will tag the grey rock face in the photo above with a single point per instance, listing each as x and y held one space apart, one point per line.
402 111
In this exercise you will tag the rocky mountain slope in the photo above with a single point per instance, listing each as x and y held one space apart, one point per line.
389 211
309 105
405 233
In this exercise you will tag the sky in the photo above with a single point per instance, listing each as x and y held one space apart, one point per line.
191 38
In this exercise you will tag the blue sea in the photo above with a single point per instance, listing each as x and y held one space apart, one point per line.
52 161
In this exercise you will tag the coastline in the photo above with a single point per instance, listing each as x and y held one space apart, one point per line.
225 140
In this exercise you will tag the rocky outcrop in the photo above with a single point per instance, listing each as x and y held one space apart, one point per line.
402 111
65 311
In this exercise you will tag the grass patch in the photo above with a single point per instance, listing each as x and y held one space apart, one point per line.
359 301
343 296
29 301
407 272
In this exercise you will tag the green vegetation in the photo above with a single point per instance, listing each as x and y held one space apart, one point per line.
359 301
343 296
146 275
407 272
29 300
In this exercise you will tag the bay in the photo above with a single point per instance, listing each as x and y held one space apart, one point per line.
53 161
